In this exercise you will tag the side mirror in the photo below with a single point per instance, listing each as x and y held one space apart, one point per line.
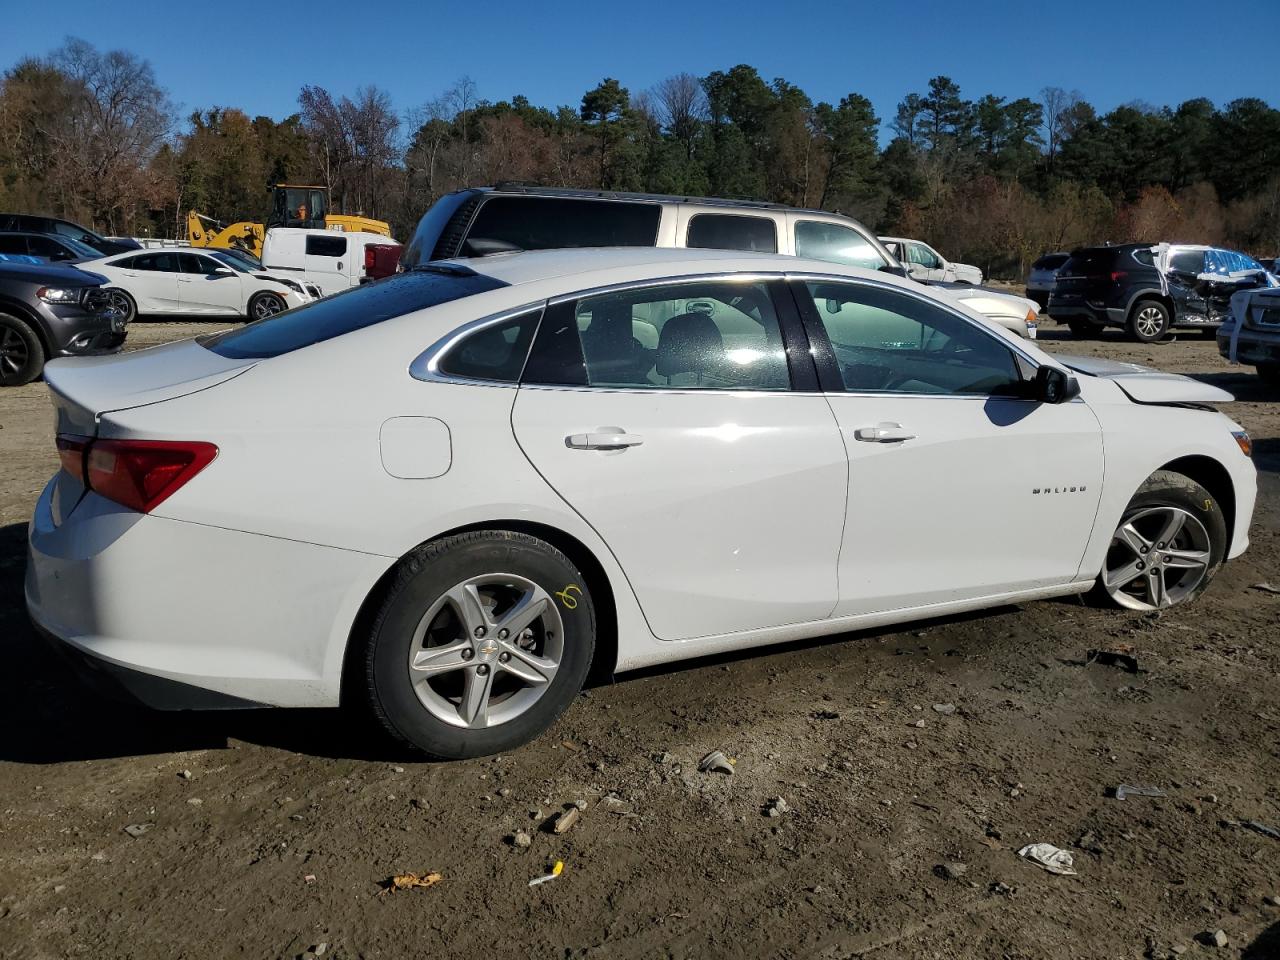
223 272
1052 385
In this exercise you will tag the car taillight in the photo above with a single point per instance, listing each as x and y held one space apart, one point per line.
139 474
71 452
1118 275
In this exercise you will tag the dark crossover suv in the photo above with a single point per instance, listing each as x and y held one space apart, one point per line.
52 226
46 246
1151 289
49 311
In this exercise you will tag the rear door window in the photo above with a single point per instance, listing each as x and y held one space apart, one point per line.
319 246
725 232
161 262
548 223
352 310
836 244
1187 262
13 243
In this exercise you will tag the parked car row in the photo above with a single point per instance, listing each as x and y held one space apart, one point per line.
483 221
1147 290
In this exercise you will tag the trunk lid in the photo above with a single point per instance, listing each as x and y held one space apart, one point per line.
84 388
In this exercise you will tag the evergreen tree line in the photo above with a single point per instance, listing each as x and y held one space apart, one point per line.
93 136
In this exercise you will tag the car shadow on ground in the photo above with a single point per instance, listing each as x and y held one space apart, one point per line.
1265 947
1242 383
51 716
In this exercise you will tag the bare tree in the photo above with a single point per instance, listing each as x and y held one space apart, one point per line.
680 105
462 100
1058 105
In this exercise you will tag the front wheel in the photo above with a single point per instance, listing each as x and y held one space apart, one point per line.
1170 543
265 305
21 353
483 640
1149 321
123 304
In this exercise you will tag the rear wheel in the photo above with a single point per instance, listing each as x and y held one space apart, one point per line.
21 353
1148 321
123 304
482 642
1084 329
1170 543
265 305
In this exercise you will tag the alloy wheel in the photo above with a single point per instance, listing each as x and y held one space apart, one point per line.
486 650
1157 558
267 306
14 354
1149 321
121 304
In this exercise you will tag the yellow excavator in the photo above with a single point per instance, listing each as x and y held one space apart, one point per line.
292 205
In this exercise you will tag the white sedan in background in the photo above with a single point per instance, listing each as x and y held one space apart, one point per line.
447 493
925 263
209 283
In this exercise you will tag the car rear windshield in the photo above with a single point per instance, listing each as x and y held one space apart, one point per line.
1090 261
1050 261
422 287
546 223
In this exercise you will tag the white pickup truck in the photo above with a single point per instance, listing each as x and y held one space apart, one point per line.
333 260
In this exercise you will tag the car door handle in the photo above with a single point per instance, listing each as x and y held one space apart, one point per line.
606 438
883 433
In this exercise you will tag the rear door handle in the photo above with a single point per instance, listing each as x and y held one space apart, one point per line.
606 438
883 433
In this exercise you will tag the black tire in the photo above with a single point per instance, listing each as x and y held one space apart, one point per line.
21 353
1164 488
1084 329
263 305
1148 321
422 579
1269 372
123 301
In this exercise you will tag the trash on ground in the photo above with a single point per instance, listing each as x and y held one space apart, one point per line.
566 820
407 881
716 762
946 709
825 715
776 807
951 870
309 878
136 830
1123 790
1048 857
1213 938
1253 825
1121 656
1267 588
547 877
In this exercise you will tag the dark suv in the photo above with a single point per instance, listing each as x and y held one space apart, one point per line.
49 311
29 223
1150 289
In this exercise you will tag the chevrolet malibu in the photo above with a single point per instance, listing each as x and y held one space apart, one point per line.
446 495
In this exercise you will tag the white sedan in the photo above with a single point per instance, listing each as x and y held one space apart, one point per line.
925 263
209 283
448 493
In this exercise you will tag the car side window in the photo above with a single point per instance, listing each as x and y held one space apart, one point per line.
1189 262
708 335
160 262
194 264
494 352
326 246
922 255
888 341
725 232
13 243
836 244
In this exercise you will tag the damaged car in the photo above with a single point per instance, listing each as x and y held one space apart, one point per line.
1150 290
1251 334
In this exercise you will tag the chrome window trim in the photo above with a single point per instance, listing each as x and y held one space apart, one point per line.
731 277
829 278
426 365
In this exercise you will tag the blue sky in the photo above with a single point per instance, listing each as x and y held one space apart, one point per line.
257 55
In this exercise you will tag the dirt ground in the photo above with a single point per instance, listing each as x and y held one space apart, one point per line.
270 832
